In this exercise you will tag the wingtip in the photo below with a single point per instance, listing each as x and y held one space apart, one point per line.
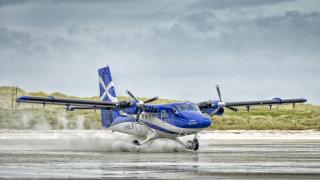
22 98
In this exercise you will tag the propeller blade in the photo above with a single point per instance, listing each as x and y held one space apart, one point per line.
132 96
150 100
232 108
219 94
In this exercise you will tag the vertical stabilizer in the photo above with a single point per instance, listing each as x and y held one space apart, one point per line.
107 93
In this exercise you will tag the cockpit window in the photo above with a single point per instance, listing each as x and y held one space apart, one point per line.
187 107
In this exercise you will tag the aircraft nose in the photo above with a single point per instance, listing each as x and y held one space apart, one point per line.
196 120
204 123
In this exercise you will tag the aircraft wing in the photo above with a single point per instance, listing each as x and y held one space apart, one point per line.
217 106
210 106
69 103
275 101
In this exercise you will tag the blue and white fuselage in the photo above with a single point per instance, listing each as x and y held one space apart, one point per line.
167 120
154 120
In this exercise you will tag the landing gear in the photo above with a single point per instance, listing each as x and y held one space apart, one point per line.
136 142
192 144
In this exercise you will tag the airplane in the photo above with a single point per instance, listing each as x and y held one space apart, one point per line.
152 121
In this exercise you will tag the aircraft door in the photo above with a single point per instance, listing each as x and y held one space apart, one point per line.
145 116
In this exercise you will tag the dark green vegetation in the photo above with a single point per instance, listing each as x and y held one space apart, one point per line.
27 116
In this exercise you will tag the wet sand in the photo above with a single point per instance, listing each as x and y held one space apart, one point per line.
102 155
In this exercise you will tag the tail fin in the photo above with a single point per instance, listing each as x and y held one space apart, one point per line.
107 93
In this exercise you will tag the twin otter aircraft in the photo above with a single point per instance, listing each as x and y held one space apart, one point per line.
152 121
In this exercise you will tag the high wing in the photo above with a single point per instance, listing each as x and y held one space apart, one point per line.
71 104
217 106
209 106
275 101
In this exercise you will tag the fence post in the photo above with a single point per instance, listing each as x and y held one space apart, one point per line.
16 97
12 97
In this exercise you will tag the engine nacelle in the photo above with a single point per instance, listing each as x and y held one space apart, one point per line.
219 112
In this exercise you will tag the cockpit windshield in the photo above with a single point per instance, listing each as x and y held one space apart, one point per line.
187 107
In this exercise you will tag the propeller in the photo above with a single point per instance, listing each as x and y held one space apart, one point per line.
140 104
219 94
222 104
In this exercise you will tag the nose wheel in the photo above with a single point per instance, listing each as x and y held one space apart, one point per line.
193 144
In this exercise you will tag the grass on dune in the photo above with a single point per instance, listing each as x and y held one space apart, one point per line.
304 116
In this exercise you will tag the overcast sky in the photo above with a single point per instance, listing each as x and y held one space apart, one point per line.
170 48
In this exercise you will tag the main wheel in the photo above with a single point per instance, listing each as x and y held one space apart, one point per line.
136 142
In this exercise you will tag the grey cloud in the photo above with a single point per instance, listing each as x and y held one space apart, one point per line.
218 4
179 53
245 51
113 14
14 39
293 31
26 42
11 2
17 2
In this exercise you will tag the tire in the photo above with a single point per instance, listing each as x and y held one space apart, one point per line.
193 145
136 142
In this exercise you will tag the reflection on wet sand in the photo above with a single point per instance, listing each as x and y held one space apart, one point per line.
78 155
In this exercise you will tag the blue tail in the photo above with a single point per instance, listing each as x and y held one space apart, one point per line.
107 93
